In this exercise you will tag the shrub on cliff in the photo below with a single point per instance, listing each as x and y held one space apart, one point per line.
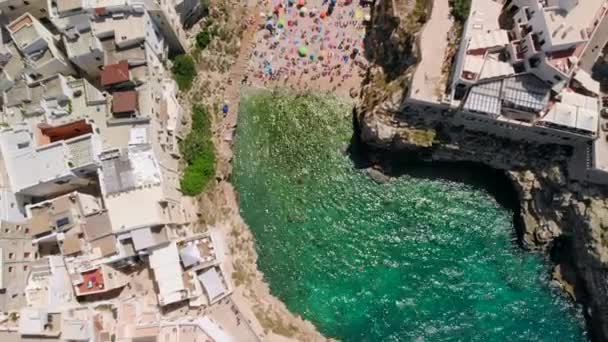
184 71
461 9
199 153
203 39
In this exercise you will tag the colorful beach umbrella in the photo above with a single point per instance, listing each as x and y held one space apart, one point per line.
301 3
281 23
302 51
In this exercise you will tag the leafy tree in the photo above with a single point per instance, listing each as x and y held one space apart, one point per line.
203 39
199 153
461 9
184 71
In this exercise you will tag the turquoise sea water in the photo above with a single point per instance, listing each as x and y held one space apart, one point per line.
415 259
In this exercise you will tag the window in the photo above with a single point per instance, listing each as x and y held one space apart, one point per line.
25 267
534 62
63 221
11 255
26 3
23 145
557 78
10 269
26 255
11 7
61 182
42 10
98 59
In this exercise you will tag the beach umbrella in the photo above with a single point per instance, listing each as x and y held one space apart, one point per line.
323 14
303 11
312 57
333 2
291 2
281 23
367 17
301 3
303 51
270 23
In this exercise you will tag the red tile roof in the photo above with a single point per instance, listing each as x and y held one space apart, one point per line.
92 281
115 74
124 101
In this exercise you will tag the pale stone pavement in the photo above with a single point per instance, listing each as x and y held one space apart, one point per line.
434 42
232 93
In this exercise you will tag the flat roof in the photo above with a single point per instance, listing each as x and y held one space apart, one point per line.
147 237
569 26
484 98
68 5
130 169
190 255
167 273
213 284
575 111
525 91
75 330
97 225
71 243
106 245
92 281
483 39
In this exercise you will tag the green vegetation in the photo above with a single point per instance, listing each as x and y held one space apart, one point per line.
461 9
205 5
203 39
198 152
184 71
419 12
286 119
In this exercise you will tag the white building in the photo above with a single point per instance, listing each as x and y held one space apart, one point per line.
39 47
133 175
54 167
548 38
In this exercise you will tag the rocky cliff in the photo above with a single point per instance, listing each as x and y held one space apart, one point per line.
565 219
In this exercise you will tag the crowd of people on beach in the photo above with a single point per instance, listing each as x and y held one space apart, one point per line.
310 44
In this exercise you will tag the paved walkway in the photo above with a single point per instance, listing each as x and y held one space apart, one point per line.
434 43
232 93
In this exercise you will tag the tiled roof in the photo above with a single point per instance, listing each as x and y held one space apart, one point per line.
124 101
115 74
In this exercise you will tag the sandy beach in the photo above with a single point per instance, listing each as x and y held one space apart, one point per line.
310 45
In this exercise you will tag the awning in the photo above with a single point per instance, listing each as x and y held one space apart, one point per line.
212 283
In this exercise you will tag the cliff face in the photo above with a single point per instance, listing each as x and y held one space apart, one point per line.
567 220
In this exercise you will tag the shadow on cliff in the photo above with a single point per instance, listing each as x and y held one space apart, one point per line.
386 43
398 162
